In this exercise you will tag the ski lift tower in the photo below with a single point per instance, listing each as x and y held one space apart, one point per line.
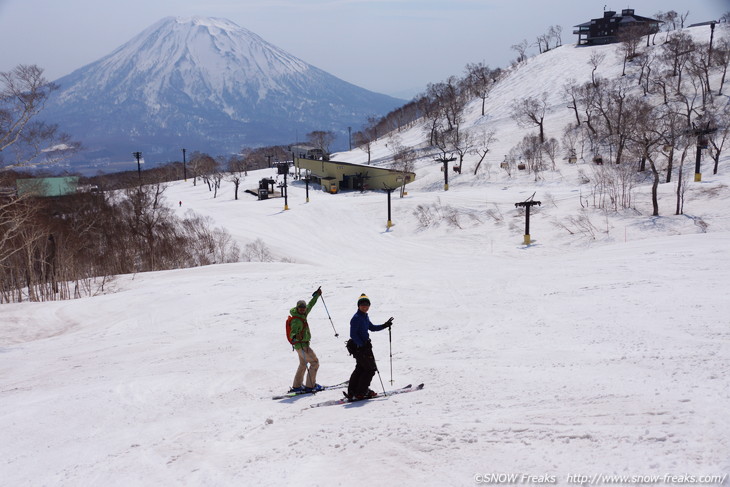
445 161
701 131
283 168
527 205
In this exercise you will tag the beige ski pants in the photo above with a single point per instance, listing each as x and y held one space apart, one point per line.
306 356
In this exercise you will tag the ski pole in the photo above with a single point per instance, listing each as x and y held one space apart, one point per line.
390 345
379 377
328 315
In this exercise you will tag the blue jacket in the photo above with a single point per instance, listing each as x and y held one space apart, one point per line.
359 326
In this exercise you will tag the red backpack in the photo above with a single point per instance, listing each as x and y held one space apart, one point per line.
288 327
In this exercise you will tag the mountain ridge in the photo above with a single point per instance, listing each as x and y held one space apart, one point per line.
205 83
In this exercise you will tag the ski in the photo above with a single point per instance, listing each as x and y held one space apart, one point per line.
344 400
295 394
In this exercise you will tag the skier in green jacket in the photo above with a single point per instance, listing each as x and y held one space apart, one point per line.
300 337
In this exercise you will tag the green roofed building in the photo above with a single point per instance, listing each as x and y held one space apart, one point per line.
334 175
60 186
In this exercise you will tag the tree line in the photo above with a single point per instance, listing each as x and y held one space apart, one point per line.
71 246
644 125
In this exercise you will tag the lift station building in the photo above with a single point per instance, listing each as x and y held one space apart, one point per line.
334 176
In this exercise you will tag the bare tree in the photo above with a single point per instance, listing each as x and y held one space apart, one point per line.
15 214
681 186
322 140
480 80
630 38
217 175
483 140
404 160
571 136
683 18
676 54
612 186
257 251
670 20
721 55
455 99
531 111
364 139
555 33
572 91
720 120
595 60
551 148
646 62
195 164
587 95
699 70
530 150
646 138
521 49
23 139
446 106
148 221
543 43
463 144
673 132
615 117
204 167
237 170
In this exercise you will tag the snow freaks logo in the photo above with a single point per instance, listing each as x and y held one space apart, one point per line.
598 479
514 478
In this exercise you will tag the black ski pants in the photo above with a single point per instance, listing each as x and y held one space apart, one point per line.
365 369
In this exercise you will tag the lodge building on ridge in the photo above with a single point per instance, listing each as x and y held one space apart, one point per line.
607 29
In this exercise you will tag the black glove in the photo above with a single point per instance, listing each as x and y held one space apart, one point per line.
388 323
318 292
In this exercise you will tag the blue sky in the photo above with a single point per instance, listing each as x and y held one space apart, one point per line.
393 47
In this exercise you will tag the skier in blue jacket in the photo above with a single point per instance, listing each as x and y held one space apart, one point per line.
360 347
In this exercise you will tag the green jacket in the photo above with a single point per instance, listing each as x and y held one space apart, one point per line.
300 334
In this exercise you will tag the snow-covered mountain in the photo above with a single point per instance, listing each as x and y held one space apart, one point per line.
205 84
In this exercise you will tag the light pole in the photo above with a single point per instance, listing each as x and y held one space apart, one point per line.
306 183
709 51
286 191
138 156
185 171
390 221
